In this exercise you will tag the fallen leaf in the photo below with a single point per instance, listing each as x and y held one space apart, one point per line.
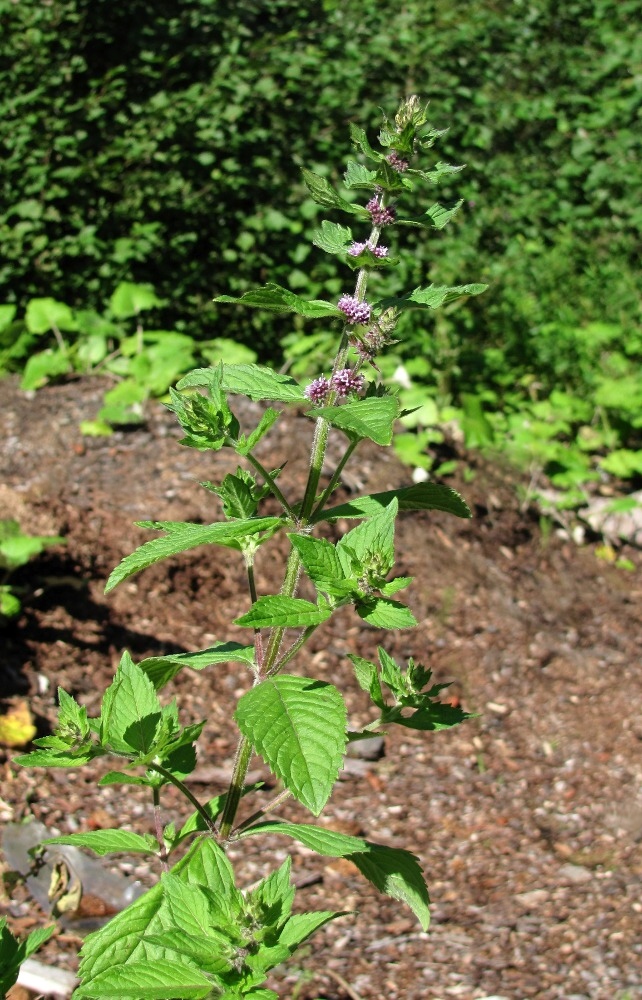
16 727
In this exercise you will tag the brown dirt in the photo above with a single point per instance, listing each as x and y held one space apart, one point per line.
528 819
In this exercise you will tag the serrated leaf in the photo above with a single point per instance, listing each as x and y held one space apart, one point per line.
51 758
384 613
432 716
372 542
181 537
284 612
360 141
246 445
435 217
393 871
397 873
423 496
120 778
324 194
123 939
162 979
254 381
321 563
371 418
359 177
131 711
432 297
162 669
301 925
440 169
368 679
275 298
103 842
298 726
332 237
394 586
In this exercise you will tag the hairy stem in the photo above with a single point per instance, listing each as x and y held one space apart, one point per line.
200 809
235 791
271 482
327 493
158 826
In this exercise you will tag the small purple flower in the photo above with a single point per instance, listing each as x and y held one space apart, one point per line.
396 162
354 310
357 248
318 391
380 216
346 381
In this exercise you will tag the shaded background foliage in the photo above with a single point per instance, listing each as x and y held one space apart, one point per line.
166 148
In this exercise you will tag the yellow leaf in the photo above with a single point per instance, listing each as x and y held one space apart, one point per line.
16 727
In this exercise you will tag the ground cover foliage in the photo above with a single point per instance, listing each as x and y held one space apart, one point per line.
168 152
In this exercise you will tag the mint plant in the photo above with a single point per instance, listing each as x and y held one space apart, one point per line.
196 933
16 550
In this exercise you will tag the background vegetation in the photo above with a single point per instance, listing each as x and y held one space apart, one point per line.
166 150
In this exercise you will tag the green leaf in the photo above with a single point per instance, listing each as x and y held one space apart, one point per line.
277 299
325 195
162 669
43 366
432 716
393 871
384 613
284 612
103 842
14 952
360 141
124 939
48 314
333 238
321 563
372 543
368 679
269 418
162 979
184 536
371 418
423 496
131 711
432 297
398 874
254 381
435 217
130 299
359 177
298 725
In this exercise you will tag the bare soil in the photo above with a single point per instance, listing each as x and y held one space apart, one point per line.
527 819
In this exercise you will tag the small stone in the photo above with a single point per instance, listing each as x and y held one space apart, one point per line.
371 749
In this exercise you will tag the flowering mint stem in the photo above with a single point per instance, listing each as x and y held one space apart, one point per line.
186 792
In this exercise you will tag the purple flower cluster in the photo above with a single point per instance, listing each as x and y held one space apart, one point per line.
354 310
343 383
346 381
318 391
381 216
358 248
396 162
